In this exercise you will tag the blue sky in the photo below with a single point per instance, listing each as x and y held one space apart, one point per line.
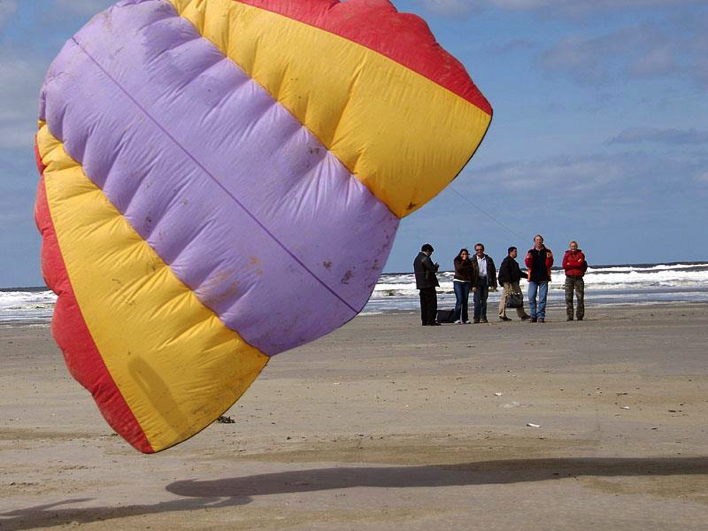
600 130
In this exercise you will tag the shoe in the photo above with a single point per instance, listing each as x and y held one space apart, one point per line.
504 318
475 321
579 319
435 324
541 320
532 319
466 322
570 319
526 318
483 321
458 322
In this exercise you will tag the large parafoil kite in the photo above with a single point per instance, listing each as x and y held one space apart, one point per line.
222 180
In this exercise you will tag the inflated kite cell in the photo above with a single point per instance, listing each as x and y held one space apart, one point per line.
222 181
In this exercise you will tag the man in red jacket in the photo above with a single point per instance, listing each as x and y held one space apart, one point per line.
574 265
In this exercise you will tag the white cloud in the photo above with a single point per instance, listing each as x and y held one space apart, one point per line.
514 45
576 57
575 176
600 200
600 181
19 94
656 62
664 136
643 51
699 48
7 9
18 135
452 8
557 7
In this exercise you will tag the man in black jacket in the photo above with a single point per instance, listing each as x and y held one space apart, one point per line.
509 277
426 281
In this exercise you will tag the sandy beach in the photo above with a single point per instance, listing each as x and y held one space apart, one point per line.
387 425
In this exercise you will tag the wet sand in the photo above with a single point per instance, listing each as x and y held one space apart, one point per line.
387 425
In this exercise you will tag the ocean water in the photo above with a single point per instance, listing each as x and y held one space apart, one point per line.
604 286
26 305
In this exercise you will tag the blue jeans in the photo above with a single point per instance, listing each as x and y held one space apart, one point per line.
480 299
542 288
462 295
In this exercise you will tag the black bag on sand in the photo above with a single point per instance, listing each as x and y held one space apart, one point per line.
514 300
445 316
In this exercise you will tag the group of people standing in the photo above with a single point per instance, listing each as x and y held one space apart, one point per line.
477 274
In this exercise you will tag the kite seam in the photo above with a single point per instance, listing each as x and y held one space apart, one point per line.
275 96
382 189
479 105
106 407
212 177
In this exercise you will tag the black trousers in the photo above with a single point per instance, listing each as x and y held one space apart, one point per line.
428 306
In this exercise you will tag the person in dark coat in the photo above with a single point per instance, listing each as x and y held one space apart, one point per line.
509 278
426 281
485 273
539 260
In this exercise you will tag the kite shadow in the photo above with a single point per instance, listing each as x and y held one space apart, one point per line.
51 515
429 476
229 492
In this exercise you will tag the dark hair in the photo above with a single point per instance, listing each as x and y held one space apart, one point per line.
511 249
459 255
427 248
478 245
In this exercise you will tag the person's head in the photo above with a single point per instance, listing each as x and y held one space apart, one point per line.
538 241
513 252
427 249
573 245
479 249
464 254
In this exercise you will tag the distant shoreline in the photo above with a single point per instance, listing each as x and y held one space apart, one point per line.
615 285
593 266
688 263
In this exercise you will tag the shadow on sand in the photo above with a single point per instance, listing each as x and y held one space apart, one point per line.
216 493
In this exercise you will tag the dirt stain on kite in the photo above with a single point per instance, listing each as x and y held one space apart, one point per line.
219 288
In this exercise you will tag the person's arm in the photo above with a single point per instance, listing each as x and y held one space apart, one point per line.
565 261
491 273
504 269
576 262
475 273
529 263
429 265
514 274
